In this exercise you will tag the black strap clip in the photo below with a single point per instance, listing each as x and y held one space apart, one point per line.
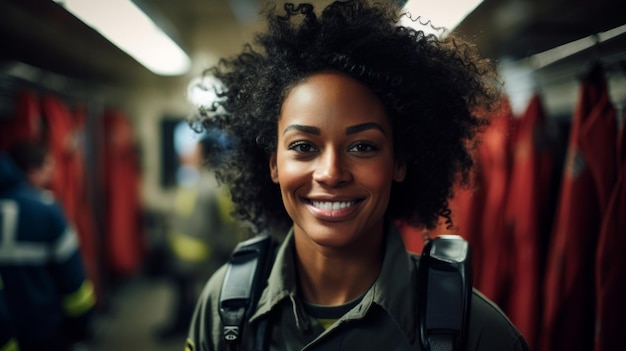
243 283
445 292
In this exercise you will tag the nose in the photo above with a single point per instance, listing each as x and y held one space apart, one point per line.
332 169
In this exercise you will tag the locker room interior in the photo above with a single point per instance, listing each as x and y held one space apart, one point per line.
123 117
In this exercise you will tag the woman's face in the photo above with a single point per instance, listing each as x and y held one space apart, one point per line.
334 160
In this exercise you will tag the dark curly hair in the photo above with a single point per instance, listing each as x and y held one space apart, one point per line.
437 93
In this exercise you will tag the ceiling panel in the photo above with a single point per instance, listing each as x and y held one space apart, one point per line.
41 33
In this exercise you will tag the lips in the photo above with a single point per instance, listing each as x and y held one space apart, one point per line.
332 205
333 210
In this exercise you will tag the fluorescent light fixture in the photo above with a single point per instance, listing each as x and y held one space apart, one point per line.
550 56
442 13
130 29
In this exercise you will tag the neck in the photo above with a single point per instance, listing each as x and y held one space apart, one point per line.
331 276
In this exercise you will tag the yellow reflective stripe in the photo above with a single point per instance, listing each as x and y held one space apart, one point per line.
80 301
11 345
225 205
189 248
326 322
185 201
225 208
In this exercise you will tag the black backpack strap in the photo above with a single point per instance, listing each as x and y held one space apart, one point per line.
445 290
248 268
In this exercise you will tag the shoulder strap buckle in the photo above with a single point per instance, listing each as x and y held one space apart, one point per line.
245 277
445 290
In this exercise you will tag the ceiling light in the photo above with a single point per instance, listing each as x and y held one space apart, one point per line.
130 29
447 14
550 56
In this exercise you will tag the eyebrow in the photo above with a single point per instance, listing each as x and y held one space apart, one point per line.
365 126
349 130
303 128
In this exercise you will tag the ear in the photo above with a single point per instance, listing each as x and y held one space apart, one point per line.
273 168
399 171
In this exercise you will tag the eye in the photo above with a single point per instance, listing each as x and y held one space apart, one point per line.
302 147
363 147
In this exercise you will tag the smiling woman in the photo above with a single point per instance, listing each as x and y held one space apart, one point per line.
346 122
334 161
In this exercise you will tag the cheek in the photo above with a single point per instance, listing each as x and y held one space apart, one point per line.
292 175
377 176
381 183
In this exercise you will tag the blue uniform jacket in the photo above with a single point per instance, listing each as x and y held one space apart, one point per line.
45 286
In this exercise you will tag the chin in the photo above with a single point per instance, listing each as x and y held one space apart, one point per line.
330 235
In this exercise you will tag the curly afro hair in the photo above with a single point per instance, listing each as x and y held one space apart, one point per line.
437 92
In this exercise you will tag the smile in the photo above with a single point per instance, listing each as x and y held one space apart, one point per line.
332 205
333 210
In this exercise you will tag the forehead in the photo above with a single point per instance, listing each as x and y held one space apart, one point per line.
332 96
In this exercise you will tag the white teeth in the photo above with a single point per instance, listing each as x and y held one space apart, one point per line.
327 205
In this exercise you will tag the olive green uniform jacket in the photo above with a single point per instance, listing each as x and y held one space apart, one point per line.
386 319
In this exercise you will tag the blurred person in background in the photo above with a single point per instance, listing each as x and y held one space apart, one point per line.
202 233
49 298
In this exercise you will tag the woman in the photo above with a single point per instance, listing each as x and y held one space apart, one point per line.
346 123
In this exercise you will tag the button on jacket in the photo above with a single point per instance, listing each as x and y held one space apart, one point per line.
387 317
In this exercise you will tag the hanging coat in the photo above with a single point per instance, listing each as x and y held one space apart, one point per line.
526 209
611 264
24 124
124 239
495 242
84 213
468 206
57 120
568 315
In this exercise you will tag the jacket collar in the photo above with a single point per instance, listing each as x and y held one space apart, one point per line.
394 290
